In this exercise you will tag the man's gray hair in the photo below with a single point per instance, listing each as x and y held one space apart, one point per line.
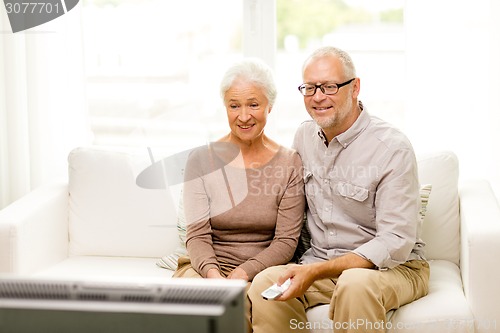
252 70
343 56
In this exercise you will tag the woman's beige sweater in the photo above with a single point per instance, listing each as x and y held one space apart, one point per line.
247 217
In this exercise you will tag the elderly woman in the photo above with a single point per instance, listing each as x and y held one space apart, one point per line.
243 195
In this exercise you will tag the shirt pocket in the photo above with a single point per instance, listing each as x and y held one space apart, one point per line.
351 191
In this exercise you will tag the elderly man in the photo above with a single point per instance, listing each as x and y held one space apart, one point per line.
362 190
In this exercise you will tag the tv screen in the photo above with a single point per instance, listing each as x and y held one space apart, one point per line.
174 305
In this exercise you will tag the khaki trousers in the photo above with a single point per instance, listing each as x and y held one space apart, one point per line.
359 299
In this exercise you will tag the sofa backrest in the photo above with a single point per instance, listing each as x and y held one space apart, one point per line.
441 226
112 216
109 215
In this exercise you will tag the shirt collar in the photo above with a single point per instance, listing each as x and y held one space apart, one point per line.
346 138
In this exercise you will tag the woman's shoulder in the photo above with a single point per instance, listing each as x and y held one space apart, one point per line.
213 151
287 151
288 155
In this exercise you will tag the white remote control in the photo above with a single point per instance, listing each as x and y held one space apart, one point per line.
274 291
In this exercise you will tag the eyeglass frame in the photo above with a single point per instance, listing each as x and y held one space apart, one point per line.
320 86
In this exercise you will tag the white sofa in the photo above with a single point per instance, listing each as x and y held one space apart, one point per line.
101 223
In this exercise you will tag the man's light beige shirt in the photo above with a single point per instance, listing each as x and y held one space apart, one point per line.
362 193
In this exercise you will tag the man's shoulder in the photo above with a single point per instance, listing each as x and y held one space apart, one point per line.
304 135
287 153
307 127
388 134
310 124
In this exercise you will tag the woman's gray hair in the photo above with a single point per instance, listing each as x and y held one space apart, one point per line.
343 56
252 70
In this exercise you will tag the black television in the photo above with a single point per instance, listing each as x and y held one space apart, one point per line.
31 305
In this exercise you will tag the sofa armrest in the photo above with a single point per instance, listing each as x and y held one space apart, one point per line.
480 247
34 230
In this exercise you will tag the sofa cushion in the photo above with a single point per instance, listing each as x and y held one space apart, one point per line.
112 216
440 229
170 260
444 309
113 268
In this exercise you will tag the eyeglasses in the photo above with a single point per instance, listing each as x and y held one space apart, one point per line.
328 88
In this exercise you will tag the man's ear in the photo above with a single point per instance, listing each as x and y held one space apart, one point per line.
356 87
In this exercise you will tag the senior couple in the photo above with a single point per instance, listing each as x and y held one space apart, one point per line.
355 177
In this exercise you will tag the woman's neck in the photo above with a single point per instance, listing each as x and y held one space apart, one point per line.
256 152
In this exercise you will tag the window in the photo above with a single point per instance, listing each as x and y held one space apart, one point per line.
373 34
153 69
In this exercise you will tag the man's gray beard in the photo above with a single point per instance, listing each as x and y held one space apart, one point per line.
337 118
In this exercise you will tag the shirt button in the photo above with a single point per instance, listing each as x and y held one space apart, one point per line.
331 233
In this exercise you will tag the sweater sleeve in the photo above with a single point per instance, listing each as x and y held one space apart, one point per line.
197 212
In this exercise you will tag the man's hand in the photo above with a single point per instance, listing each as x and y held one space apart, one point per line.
301 277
